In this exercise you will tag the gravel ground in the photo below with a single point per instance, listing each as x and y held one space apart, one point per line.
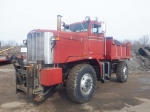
132 96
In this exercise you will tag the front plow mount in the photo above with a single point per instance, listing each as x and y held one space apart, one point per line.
28 80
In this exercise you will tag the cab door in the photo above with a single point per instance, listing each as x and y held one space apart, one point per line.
96 41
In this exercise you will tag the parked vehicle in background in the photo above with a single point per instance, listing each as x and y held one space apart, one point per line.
5 58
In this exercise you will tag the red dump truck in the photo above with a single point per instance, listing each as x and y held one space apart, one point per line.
76 56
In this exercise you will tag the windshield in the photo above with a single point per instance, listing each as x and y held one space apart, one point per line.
80 27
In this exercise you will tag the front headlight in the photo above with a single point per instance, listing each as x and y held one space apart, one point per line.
55 38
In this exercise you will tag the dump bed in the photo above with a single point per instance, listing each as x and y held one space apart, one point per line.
117 50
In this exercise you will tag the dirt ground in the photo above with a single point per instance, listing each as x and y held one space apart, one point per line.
132 96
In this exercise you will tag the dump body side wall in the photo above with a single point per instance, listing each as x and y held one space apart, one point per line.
117 51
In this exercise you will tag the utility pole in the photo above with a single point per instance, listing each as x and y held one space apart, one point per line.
0 45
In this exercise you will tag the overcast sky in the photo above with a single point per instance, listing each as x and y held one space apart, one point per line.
126 19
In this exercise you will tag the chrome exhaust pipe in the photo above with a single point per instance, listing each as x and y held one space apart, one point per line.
59 22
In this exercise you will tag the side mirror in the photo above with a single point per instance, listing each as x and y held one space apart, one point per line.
62 23
25 42
103 28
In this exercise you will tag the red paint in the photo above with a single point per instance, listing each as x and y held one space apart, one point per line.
51 76
3 60
75 46
100 67
117 51
72 46
68 50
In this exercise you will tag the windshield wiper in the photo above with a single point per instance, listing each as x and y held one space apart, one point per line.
82 26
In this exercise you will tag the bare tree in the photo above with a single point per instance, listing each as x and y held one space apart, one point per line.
144 41
141 42
135 45
11 43
126 40
2 43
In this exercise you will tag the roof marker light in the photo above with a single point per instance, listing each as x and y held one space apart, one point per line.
87 18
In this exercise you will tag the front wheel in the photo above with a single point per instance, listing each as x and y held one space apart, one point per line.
122 71
81 83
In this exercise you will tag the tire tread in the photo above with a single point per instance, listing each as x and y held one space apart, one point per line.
71 82
119 75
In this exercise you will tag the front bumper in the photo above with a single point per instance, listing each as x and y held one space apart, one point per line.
34 81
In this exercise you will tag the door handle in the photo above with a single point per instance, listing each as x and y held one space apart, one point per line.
70 38
81 40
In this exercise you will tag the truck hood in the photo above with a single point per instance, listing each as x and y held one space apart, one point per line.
62 33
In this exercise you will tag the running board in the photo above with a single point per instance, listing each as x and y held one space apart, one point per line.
106 72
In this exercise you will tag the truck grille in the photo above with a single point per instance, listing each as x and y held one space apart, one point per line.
38 46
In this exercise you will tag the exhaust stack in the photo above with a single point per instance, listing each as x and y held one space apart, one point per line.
59 22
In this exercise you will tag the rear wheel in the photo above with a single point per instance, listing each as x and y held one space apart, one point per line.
122 71
81 83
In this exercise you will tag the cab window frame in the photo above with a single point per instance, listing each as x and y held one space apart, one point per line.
98 29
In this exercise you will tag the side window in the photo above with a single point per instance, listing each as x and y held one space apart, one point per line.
96 28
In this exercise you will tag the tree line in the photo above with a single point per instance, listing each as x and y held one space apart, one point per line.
142 42
8 43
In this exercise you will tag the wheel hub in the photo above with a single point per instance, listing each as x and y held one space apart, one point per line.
86 84
125 72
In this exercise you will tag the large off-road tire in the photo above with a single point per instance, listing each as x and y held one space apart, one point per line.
122 71
81 83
